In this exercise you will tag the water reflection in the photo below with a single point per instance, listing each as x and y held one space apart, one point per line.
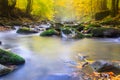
45 56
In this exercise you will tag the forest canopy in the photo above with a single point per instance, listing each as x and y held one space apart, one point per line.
59 10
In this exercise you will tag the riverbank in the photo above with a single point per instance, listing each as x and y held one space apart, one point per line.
108 28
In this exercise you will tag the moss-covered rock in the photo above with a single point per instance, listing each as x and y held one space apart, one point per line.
105 32
88 35
25 30
9 58
98 32
66 30
111 32
106 66
49 32
79 35
91 26
79 27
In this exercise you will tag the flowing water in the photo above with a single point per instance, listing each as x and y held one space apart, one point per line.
46 57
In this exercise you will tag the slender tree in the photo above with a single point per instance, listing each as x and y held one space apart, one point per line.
117 5
4 7
29 7
7 7
114 7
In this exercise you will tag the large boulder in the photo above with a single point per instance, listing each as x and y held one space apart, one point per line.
9 58
111 32
106 66
25 30
105 32
68 32
49 32
4 70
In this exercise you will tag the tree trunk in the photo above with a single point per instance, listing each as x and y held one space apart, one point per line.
114 8
29 7
4 8
12 7
117 6
104 4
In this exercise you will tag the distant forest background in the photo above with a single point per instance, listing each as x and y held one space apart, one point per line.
59 10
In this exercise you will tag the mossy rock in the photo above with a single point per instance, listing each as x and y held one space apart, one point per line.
79 36
106 66
49 32
105 32
91 26
66 30
25 30
98 32
9 58
88 35
78 27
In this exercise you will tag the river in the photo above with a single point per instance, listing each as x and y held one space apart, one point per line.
46 57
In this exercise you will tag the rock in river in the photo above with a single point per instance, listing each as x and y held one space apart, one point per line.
9 58
4 70
106 66
25 30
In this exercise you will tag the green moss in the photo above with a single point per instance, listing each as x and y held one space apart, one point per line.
49 32
79 36
105 32
90 26
66 30
88 35
10 58
79 27
98 32
25 30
